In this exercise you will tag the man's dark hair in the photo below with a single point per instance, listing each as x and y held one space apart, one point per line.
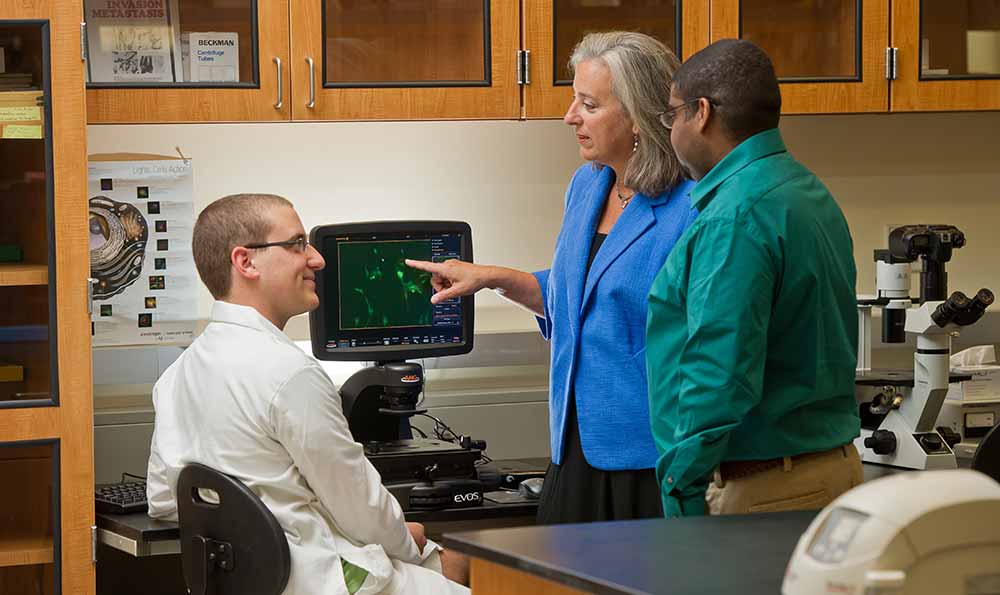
739 79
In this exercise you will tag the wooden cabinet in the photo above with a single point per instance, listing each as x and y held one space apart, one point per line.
260 93
413 60
553 27
948 55
46 413
307 60
841 56
828 54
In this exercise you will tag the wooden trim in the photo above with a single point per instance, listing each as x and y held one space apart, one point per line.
542 99
488 578
871 94
501 100
22 550
725 19
20 9
696 27
33 423
909 93
168 104
75 411
23 274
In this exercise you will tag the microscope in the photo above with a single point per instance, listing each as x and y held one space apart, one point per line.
898 426
421 473
375 309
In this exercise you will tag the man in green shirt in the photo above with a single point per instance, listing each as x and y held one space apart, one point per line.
752 330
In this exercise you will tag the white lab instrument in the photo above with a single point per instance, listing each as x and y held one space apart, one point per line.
930 532
907 408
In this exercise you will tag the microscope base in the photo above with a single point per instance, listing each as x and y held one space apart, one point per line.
910 453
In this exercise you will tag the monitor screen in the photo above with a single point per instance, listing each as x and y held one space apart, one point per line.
375 308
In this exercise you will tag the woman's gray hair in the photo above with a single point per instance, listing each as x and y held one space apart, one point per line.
642 70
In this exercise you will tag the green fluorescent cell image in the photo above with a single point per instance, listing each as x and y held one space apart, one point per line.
377 290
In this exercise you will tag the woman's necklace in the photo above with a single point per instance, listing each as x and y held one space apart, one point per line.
621 197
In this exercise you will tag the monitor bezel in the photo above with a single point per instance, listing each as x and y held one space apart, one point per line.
317 318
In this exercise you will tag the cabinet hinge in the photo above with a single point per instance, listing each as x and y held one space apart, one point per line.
83 41
91 282
891 63
524 67
93 544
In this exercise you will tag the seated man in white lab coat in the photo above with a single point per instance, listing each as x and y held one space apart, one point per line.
244 400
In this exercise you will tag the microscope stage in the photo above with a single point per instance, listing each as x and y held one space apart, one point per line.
411 459
895 377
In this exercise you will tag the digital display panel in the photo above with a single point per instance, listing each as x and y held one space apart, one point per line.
375 307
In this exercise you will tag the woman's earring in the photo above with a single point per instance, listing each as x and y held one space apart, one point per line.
635 144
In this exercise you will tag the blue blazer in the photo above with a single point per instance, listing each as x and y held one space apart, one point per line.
596 322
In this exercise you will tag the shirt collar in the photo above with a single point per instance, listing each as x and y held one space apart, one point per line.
229 313
756 147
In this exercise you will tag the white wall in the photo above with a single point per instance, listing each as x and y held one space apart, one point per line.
507 179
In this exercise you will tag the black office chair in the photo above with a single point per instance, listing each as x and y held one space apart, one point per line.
987 457
233 547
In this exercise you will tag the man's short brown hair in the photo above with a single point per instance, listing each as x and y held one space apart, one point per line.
234 220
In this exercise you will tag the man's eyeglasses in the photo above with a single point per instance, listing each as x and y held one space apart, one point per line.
667 117
299 244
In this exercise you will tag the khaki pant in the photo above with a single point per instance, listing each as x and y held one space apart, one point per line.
802 483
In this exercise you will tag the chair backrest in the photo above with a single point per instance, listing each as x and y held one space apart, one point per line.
987 457
234 546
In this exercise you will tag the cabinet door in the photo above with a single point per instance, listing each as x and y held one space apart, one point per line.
552 29
404 59
187 61
948 55
829 55
28 331
46 410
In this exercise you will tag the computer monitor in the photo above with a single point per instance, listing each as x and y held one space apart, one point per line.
375 308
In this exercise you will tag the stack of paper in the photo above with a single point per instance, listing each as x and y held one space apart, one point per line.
15 81
21 114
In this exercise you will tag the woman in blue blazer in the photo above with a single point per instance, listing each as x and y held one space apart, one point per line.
624 212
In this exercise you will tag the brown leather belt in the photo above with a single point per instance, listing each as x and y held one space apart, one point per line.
737 469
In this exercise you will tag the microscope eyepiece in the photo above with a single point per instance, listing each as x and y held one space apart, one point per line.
962 310
950 308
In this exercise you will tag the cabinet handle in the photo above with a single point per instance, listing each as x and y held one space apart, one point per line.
312 83
279 102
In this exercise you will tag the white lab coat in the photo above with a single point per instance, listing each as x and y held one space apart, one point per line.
244 400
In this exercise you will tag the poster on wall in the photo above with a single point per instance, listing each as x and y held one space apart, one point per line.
144 278
132 41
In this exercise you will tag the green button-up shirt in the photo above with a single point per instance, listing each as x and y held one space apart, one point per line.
751 338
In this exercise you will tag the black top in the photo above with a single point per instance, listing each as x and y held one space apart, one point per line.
595 246
708 555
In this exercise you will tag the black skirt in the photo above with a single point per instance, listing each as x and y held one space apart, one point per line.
575 492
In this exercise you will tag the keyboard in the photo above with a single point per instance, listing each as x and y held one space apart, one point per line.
121 498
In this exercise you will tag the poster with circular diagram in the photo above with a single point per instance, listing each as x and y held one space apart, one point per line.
144 279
